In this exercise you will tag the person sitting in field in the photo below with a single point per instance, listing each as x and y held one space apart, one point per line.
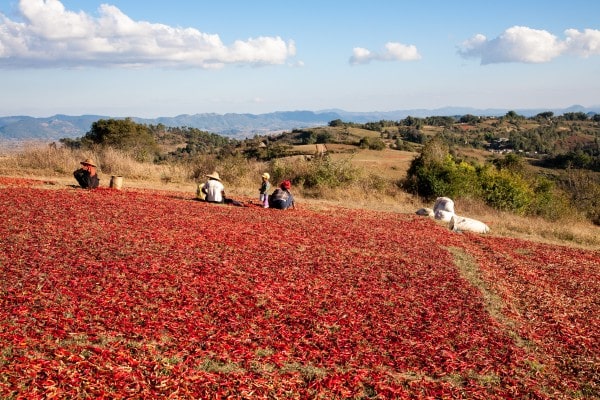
281 198
87 175
213 189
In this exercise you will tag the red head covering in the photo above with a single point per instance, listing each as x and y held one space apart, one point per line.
286 185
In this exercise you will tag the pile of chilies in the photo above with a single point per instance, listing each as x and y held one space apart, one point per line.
141 294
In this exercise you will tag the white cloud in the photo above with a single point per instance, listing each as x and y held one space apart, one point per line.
584 44
53 36
393 52
526 45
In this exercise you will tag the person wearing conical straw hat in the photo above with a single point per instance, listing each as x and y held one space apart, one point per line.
87 175
213 189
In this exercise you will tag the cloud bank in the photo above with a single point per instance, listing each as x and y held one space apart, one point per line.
393 52
526 45
51 36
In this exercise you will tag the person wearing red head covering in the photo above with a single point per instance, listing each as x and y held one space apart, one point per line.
281 198
87 175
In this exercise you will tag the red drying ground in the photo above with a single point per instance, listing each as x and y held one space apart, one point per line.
140 294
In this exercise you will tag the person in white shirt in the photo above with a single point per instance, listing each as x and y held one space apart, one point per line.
213 189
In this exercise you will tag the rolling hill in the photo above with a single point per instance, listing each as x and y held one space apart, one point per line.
25 128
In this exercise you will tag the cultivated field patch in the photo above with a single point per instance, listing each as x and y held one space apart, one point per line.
146 294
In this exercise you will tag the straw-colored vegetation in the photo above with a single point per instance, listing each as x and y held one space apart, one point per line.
362 179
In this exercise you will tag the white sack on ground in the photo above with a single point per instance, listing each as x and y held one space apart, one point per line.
443 216
464 224
426 212
443 204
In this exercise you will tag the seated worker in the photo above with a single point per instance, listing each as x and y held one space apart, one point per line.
281 198
213 189
87 176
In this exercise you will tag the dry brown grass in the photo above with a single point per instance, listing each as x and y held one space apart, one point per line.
387 163
569 231
242 181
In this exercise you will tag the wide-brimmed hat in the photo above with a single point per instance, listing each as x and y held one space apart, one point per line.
88 161
266 175
214 175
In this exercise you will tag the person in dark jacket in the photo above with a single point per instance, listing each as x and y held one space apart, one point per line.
87 175
281 198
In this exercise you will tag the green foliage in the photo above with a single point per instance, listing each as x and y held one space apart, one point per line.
573 159
122 134
196 141
440 121
316 173
371 143
403 145
575 116
413 135
446 178
309 138
276 151
324 137
513 116
548 201
584 189
505 190
545 115
510 162
73 144
416 123
435 173
431 181
469 119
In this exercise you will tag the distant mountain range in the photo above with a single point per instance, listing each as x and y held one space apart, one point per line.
24 128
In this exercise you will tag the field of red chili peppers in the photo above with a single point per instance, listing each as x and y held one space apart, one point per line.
109 294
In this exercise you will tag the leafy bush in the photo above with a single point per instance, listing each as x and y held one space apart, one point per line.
584 189
435 173
504 186
371 143
548 201
505 190
124 135
315 173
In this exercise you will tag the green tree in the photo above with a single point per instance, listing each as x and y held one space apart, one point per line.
505 190
511 115
545 115
122 134
575 116
371 143
426 175
469 119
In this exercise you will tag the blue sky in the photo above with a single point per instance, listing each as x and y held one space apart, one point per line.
156 58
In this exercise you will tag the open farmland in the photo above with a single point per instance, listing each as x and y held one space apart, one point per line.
388 163
150 294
